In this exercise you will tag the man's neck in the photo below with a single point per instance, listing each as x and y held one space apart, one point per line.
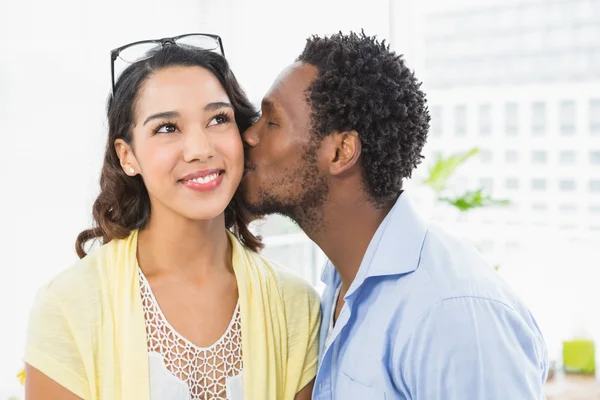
345 234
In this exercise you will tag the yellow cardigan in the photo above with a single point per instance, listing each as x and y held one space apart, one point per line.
87 330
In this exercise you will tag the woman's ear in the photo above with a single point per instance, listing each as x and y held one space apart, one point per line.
126 157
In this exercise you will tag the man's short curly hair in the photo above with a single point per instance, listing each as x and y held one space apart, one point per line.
362 85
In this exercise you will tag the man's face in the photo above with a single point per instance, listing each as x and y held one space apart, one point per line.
283 174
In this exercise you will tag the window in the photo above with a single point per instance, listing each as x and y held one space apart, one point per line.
567 118
511 157
567 227
460 120
595 209
286 243
567 157
276 225
513 245
538 157
487 184
511 119
485 119
539 206
485 156
538 119
567 208
486 246
436 120
461 183
595 157
511 183
567 185
538 184
299 257
595 117
594 186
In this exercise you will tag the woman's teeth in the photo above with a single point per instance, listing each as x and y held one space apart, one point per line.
205 179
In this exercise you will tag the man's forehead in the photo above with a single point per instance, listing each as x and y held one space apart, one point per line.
290 86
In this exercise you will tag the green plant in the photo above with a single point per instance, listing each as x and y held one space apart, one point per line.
444 168
472 199
440 175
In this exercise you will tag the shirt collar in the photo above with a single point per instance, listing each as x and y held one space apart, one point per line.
395 249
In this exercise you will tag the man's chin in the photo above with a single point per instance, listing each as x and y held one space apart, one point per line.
250 199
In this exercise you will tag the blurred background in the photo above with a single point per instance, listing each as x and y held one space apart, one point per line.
512 163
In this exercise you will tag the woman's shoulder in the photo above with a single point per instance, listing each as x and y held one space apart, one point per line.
79 276
77 286
297 293
287 279
302 313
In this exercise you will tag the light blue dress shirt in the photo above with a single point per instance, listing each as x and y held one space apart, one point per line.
427 319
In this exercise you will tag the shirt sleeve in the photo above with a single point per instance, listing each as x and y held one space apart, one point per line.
50 344
476 349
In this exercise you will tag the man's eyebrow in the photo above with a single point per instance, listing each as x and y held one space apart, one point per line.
267 103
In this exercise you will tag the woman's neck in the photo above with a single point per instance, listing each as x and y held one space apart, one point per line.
176 245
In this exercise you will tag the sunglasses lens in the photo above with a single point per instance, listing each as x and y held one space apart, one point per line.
138 52
199 42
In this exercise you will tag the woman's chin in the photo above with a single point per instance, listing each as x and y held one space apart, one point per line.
204 214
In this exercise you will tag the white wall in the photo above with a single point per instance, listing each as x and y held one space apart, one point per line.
262 37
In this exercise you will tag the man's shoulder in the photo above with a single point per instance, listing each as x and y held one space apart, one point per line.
456 268
448 268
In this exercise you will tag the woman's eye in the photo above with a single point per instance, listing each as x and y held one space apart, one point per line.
219 120
166 128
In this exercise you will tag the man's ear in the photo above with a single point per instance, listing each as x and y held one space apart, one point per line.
346 150
126 157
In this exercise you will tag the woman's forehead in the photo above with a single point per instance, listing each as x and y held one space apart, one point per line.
180 88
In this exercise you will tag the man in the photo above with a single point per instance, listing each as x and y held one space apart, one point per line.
409 311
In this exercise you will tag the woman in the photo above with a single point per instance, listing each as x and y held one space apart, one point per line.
176 304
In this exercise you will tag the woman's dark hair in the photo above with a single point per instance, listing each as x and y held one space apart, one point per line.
123 203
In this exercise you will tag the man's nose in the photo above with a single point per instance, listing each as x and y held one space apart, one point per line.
251 136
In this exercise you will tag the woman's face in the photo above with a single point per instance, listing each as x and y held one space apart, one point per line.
186 144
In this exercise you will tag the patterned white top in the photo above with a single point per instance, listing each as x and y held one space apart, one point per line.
180 370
